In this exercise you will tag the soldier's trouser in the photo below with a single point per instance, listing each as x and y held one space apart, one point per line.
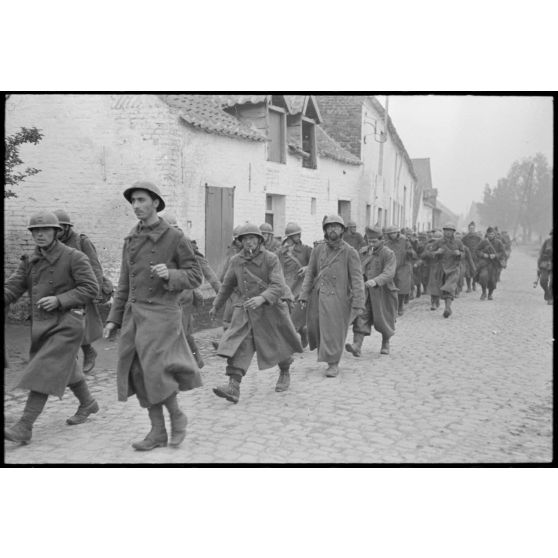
363 323
240 361
546 284
487 278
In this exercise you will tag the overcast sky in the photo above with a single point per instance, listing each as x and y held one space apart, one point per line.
471 140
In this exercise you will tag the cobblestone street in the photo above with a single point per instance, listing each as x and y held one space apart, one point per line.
475 388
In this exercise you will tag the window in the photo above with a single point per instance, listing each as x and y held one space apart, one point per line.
309 158
344 210
313 203
380 216
275 213
277 135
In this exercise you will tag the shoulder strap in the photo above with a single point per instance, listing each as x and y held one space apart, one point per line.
326 266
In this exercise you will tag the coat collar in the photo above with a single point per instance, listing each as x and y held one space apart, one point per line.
50 255
256 260
154 232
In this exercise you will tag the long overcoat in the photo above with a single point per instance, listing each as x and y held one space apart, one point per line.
274 335
379 264
333 287
235 297
148 310
93 322
404 255
450 263
435 271
292 259
55 336
472 240
488 269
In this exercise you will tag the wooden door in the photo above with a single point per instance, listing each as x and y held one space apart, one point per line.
219 215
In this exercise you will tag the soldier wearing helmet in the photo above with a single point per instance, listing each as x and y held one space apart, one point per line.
294 257
154 359
380 308
490 256
544 269
260 324
447 252
333 289
405 255
60 283
352 237
471 240
93 323
270 242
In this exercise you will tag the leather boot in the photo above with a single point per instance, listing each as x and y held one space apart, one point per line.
89 356
385 346
304 337
400 309
230 391
483 295
87 405
356 347
21 431
433 304
157 437
490 295
447 311
332 370
468 279
284 381
178 421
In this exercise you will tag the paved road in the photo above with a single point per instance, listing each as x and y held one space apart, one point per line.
476 388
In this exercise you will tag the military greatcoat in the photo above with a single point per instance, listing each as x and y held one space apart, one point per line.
450 264
55 336
333 287
270 325
404 255
148 310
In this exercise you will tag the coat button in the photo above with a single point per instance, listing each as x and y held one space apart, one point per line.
133 300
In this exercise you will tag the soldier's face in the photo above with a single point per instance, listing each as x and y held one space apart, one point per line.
143 205
448 233
250 242
352 230
333 231
293 239
373 241
63 232
43 236
393 236
491 235
471 228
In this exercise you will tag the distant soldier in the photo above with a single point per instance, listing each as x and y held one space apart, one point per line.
378 266
544 269
294 257
506 241
448 251
420 267
93 322
270 242
471 240
434 267
154 359
60 283
261 324
490 255
405 255
334 291
352 237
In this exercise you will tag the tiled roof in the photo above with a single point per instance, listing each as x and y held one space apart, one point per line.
206 112
232 100
327 147
296 103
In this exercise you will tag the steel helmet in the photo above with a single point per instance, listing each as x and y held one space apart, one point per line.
44 219
236 231
373 232
392 229
266 228
351 224
333 219
449 226
63 217
250 228
171 220
292 229
148 187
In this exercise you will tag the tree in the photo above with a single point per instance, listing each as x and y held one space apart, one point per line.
12 143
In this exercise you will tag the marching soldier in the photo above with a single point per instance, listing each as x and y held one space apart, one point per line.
60 283
490 255
260 324
544 269
380 308
93 323
334 291
448 251
154 359
405 255
353 238
471 240
270 242
294 257
420 267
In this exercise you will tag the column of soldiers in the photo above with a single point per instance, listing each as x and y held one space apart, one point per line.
279 296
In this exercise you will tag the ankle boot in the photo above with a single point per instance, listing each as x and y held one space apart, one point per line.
385 346
356 347
468 279
483 295
87 405
433 304
284 380
332 370
157 437
230 391
21 431
178 421
490 295
400 308
89 356
447 311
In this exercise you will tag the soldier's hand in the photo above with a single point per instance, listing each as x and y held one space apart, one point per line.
457 252
302 271
302 303
48 303
370 283
109 331
254 302
212 313
161 270
492 256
